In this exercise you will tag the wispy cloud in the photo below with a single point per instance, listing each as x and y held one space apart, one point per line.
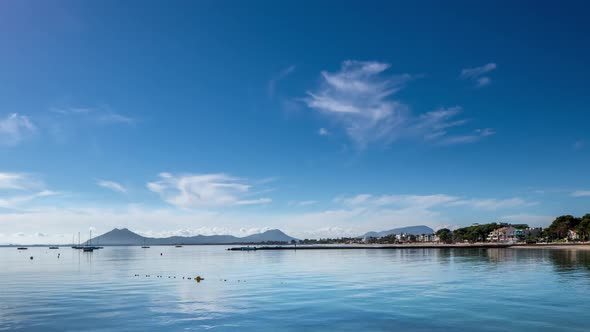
16 201
431 201
358 98
99 115
28 187
581 193
14 128
18 181
361 98
272 83
115 186
204 190
478 75
579 145
323 132
302 203
477 135
493 203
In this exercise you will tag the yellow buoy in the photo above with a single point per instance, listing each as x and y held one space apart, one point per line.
199 279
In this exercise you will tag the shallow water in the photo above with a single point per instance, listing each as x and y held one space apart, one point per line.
332 290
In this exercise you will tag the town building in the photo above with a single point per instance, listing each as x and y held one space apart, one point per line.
504 234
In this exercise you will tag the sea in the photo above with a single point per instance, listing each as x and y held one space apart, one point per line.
154 289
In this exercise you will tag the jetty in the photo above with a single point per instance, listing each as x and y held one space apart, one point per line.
357 247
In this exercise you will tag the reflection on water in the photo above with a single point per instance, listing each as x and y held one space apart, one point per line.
374 290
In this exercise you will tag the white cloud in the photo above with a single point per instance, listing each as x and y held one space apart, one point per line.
16 201
204 190
580 193
431 201
477 135
357 97
18 181
323 132
478 71
360 98
14 128
302 203
272 83
29 189
112 185
477 74
482 81
99 115
493 204
114 118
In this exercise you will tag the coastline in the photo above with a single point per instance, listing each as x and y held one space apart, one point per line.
376 246
576 246
571 246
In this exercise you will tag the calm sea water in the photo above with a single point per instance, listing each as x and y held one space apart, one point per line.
332 290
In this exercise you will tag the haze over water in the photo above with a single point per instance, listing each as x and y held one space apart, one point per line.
334 290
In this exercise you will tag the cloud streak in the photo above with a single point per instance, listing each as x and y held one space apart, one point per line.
204 190
18 181
98 115
581 193
360 97
16 201
112 185
431 201
272 83
15 128
478 75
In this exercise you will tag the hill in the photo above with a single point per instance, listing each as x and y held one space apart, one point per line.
127 237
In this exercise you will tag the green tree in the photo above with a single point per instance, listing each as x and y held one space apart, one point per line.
583 227
445 235
560 227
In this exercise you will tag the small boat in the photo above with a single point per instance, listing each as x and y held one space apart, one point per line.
178 246
89 249
22 248
53 247
145 247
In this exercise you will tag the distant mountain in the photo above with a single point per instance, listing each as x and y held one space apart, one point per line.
127 237
413 230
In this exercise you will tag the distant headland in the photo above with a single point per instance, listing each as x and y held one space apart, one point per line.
125 237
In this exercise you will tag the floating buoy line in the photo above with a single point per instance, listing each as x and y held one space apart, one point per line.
198 279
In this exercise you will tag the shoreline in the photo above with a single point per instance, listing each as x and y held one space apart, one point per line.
375 246
581 246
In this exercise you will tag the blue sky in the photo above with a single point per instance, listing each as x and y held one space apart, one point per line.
318 118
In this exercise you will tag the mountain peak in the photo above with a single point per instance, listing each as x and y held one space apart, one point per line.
124 236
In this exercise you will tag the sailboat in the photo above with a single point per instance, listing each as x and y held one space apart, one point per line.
144 246
88 247
77 246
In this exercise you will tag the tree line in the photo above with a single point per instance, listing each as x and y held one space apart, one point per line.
560 229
